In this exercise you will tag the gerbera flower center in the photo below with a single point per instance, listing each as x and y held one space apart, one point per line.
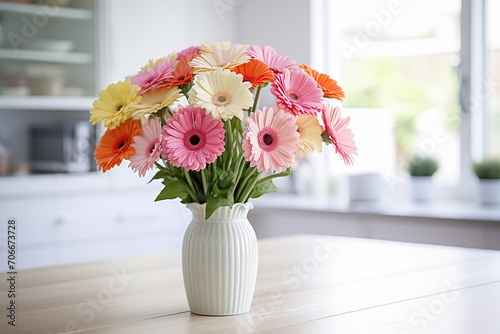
221 99
294 96
194 140
268 139
119 107
122 144
152 148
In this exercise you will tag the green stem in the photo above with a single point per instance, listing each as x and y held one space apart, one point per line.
273 176
190 183
242 186
229 141
248 190
239 168
192 194
204 181
255 100
170 113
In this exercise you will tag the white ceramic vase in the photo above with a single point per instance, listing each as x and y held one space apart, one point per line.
489 192
219 260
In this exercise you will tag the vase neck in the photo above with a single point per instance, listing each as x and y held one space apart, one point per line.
223 213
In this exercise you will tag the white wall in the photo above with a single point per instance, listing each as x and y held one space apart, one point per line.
283 24
132 32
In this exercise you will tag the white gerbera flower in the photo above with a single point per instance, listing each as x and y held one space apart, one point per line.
220 55
222 93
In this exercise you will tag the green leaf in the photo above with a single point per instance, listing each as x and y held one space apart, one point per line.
214 202
160 175
200 196
263 188
224 182
174 188
237 124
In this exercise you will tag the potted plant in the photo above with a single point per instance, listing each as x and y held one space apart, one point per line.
488 173
421 170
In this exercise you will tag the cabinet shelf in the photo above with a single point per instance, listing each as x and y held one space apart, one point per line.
11 103
51 11
46 56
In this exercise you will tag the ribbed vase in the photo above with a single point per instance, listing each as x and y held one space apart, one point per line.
219 260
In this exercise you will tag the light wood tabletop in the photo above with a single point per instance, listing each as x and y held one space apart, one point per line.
305 284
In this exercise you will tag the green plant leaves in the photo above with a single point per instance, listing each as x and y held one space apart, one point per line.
422 166
222 191
174 187
487 169
215 202
263 188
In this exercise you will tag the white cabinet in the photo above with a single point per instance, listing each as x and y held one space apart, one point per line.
72 227
49 67
47 49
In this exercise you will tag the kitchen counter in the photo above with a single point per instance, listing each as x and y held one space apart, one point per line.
305 284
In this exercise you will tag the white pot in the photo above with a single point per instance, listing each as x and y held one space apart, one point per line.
422 188
489 192
219 260
365 187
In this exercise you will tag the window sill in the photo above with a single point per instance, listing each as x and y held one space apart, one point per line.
451 209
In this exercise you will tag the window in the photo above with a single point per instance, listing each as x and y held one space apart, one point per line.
403 65
493 89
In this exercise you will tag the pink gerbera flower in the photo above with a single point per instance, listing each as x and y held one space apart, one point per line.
147 147
189 51
297 92
192 139
275 61
157 76
270 140
337 133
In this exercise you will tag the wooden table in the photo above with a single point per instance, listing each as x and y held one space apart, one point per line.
306 284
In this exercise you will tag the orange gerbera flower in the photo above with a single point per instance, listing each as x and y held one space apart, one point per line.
330 87
115 144
255 72
183 72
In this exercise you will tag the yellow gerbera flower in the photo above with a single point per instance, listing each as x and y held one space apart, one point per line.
310 135
115 104
222 93
220 55
154 100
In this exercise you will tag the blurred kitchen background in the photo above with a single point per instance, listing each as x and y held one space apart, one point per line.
421 78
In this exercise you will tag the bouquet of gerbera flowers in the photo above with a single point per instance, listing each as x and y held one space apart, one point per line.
194 116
